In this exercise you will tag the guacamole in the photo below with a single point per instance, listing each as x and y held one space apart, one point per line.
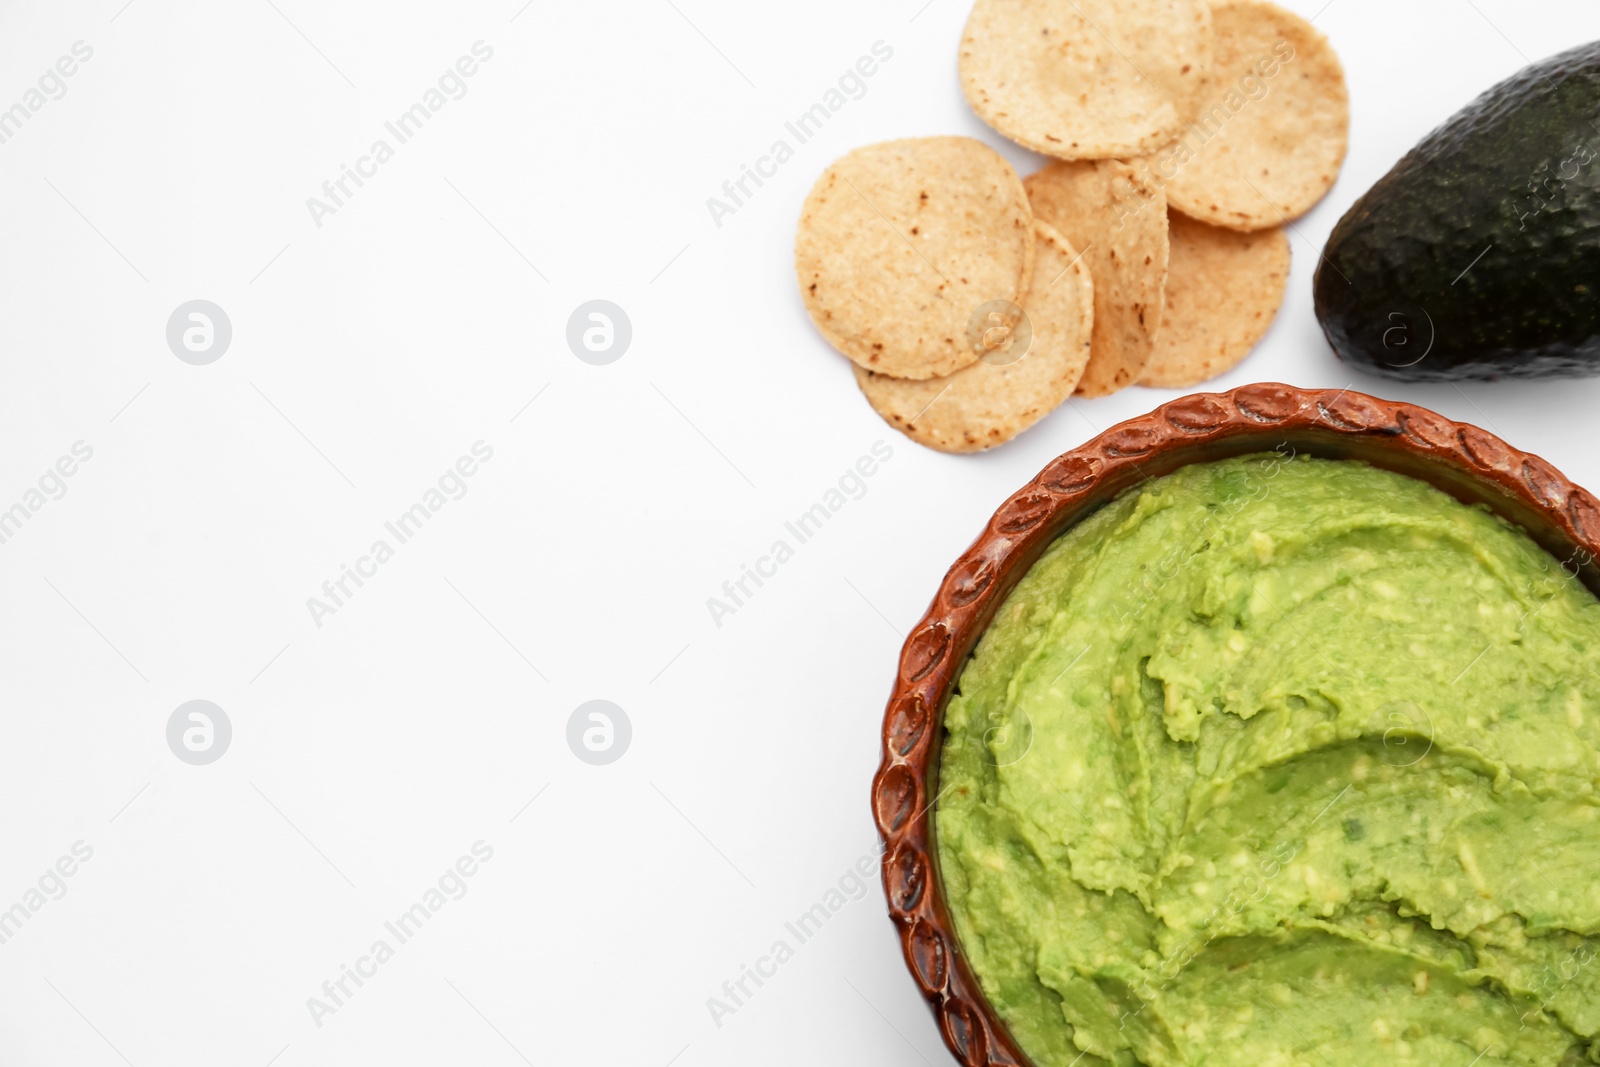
1283 761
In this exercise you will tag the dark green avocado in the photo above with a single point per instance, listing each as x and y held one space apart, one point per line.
1478 255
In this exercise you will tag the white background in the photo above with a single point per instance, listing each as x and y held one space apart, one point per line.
368 354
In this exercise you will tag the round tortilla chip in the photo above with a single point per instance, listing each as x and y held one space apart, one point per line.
1118 217
998 397
1273 125
1223 289
900 243
1086 79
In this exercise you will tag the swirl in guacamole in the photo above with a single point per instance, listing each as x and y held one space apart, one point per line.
1282 761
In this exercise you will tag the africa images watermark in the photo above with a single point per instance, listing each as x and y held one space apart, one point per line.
336 192
1543 195
852 885
1545 185
52 485
1209 124
52 885
337 592
736 191
52 85
852 485
451 885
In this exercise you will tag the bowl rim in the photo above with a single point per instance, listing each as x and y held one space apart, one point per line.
1460 458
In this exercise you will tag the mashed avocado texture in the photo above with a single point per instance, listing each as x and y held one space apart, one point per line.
1283 761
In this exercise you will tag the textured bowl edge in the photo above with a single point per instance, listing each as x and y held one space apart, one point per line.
1458 457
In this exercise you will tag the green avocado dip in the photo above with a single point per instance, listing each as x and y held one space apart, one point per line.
1283 761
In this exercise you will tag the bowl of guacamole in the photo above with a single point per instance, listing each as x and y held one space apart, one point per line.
1264 729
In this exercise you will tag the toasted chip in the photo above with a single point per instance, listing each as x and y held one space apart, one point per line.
1273 125
1029 370
1118 219
1086 79
901 242
1223 289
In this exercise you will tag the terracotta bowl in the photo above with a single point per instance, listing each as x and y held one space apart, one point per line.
1468 463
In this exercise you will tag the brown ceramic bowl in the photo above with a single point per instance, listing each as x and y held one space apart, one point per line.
1463 460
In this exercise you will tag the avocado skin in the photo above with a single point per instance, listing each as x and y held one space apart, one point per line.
1516 172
